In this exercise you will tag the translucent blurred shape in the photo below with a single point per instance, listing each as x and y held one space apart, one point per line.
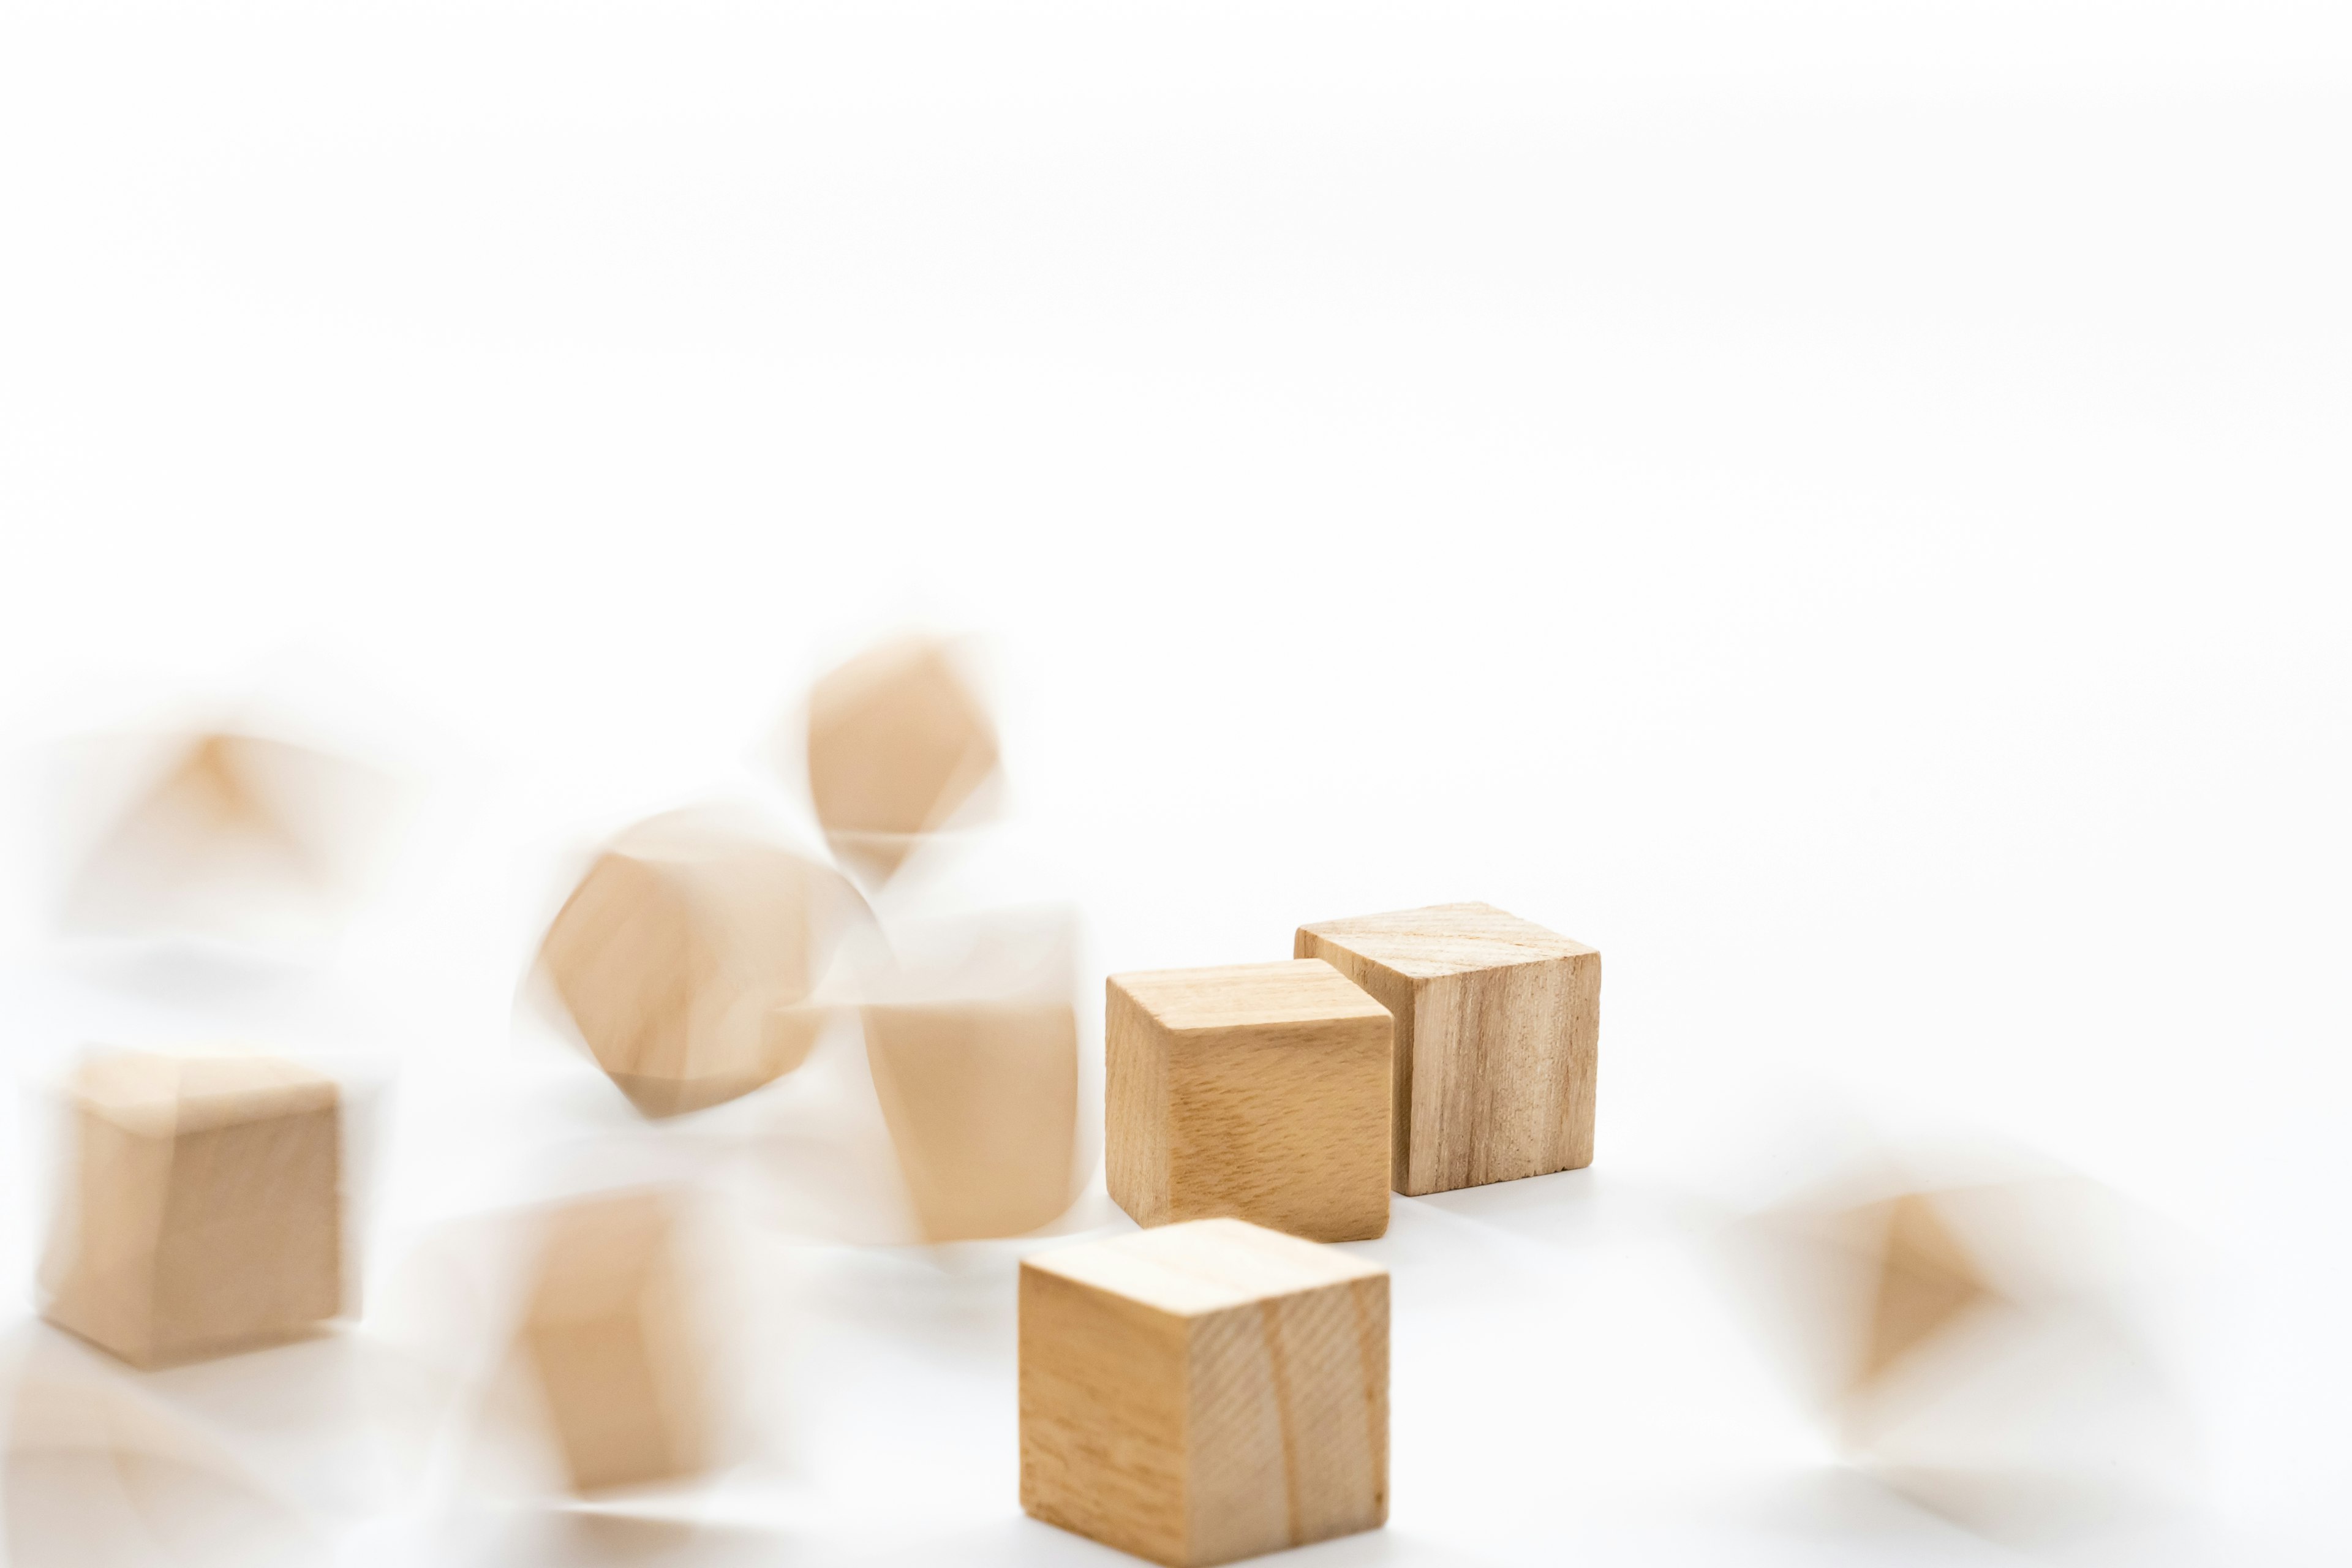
203 1210
896 742
687 954
238 837
1967 1345
610 1331
973 1039
98 1476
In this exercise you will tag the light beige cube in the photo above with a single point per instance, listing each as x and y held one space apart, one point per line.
204 1210
610 1332
1258 1091
1204 1391
1497 1039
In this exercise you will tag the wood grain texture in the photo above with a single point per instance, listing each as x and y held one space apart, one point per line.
1204 1391
1257 1091
609 1334
982 1099
205 1214
1497 1039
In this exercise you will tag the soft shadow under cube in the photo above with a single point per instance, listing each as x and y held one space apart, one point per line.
1257 1091
1204 1391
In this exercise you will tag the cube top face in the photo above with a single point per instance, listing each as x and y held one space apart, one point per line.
158 1096
1240 995
1203 1266
1447 939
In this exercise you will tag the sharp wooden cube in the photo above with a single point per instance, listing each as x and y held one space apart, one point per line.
1204 1391
1497 1039
204 1211
1258 1091
610 1334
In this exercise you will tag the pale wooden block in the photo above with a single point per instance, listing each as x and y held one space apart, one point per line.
204 1212
896 742
685 957
1497 1039
610 1332
1204 1391
1255 1091
982 1099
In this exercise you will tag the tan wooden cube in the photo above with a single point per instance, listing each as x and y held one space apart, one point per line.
205 1208
1204 1391
1258 1091
610 1334
1497 1039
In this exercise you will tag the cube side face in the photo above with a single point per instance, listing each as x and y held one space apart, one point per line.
1289 1421
1396 992
1505 1069
250 1249
99 1274
1285 1125
1135 1107
603 1388
1103 1416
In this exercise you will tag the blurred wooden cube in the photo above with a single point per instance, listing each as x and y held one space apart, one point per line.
1258 1091
203 1212
685 957
1204 1391
982 1099
1497 1039
896 742
610 1331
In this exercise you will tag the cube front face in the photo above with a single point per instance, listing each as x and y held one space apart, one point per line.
202 1223
1230 1403
1258 1092
1497 1039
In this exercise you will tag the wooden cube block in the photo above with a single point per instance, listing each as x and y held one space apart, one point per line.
205 1209
685 956
610 1334
1258 1091
1204 1391
982 1099
896 742
1497 1039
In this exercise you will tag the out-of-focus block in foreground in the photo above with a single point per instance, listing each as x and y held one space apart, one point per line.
1257 1091
205 1212
981 1098
1497 1039
1204 1391
609 1331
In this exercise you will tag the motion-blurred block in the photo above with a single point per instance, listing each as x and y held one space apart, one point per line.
1257 1091
685 955
610 1334
982 1101
1497 1039
1204 1391
204 1212
896 742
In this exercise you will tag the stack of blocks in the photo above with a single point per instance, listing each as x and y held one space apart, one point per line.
1212 1389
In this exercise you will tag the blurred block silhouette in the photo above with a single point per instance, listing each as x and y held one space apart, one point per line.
972 1040
1204 1391
609 1329
685 957
205 1207
99 1476
1497 1039
1924 1282
896 742
982 1099
238 837
1258 1090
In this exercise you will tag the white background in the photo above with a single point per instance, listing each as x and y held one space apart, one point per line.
1840 507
